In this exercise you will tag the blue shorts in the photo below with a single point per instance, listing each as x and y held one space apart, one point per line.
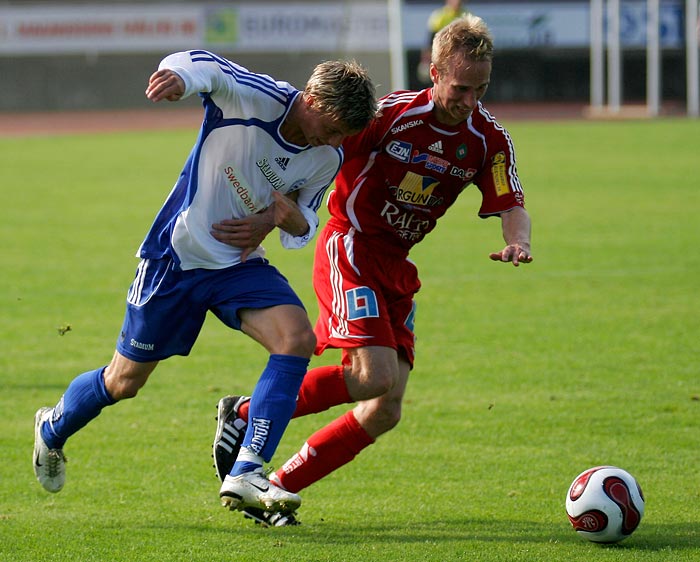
166 307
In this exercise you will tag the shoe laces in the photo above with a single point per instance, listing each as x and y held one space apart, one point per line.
55 459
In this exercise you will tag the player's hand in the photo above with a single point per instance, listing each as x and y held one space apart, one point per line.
247 233
514 253
165 85
287 215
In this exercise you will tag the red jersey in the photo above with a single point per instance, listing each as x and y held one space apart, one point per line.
406 169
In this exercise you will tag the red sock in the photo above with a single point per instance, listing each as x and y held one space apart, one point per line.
323 388
325 451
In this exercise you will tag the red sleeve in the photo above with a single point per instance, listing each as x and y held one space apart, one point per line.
498 179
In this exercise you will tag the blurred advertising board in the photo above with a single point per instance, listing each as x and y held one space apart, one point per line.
301 26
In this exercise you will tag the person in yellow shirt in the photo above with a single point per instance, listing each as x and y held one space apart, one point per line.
439 18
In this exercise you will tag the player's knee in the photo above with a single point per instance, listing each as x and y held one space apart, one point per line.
375 381
384 382
122 385
392 416
387 416
303 343
309 342
122 388
297 342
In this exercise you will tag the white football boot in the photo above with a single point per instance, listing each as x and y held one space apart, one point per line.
49 464
253 489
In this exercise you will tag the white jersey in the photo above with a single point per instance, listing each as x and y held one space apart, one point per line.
239 158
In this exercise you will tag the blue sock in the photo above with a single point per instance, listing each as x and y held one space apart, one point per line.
272 405
82 401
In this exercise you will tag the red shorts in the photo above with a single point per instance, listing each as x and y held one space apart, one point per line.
365 295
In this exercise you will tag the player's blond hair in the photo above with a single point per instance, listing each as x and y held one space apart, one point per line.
467 37
344 90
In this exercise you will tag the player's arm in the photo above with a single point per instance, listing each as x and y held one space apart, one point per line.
183 74
282 213
300 213
516 233
249 232
288 216
502 196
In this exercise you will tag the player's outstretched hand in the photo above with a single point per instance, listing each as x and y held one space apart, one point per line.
165 85
513 253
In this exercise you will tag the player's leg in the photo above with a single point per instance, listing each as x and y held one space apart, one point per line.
263 305
336 445
88 393
372 373
322 388
82 402
340 441
378 376
381 414
354 315
285 332
161 320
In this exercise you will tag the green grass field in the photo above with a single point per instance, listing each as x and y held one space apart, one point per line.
524 377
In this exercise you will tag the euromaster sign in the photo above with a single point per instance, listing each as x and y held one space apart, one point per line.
300 27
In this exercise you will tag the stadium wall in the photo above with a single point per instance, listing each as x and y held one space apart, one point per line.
88 56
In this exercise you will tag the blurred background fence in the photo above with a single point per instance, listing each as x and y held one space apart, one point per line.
85 55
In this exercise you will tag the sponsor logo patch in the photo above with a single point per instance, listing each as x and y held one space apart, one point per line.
141 345
240 188
405 126
399 150
417 190
406 224
463 174
436 147
431 162
498 171
276 182
261 431
282 162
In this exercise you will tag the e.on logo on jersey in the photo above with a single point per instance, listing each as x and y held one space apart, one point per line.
399 150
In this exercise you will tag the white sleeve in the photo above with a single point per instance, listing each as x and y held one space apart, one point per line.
326 161
309 201
291 242
205 76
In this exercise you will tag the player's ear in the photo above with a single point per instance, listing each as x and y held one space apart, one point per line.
434 74
309 100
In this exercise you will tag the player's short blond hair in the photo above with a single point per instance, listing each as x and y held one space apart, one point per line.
344 90
467 37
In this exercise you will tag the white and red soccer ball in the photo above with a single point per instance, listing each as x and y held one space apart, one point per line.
605 504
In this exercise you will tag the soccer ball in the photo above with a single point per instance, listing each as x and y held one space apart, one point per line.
605 504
